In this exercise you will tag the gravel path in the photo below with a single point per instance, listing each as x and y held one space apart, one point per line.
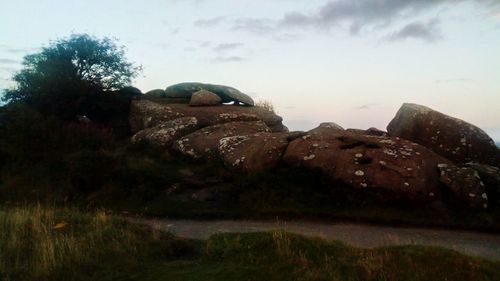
365 236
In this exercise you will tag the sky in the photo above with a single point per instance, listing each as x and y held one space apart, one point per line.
352 62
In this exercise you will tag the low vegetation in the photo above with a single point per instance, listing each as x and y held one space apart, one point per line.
267 105
38 243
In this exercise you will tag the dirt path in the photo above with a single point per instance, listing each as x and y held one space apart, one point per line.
366 236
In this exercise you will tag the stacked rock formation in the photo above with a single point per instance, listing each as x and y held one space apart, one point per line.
425 156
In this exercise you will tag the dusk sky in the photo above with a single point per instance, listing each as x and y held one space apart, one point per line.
351 62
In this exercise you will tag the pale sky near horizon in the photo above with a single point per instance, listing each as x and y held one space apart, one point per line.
352 62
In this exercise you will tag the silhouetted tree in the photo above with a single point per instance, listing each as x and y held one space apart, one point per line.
68 77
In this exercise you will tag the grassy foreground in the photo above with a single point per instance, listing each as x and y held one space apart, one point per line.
62 244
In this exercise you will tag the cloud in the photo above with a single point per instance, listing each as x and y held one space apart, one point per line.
370 15
254 25
209 22
9 61
427 31
227 46
221 59
365 106
18 50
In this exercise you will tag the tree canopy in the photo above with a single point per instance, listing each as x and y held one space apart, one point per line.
59 79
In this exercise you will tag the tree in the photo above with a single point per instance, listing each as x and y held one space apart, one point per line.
65 78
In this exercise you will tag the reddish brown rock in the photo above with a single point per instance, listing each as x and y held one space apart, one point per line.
450 137
255 152
392 166
167 132
146 113
326 128
490 176
204 98
204 143
371 132
465 185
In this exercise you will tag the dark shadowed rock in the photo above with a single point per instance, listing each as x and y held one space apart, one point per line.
375 132
227 94
204 143
157 93
167 132
205 98
465 185
370 132
450 137
255 152
490 176
326 128
145 113
396 168
129 92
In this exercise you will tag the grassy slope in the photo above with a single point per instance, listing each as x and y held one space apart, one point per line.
100 247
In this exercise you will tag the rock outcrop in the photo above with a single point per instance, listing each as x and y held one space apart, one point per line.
204 98
490 176
167 132
465 185
255 152
450 137
204 143
425 157
394 167
156 93
227 94
145 113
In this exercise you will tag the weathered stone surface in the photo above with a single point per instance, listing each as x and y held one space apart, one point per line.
490 176
450 137
167 132
392 166
375 132
204 143
326 128
465 185
227 94
145 113
205 98
255 152
156 93
370 132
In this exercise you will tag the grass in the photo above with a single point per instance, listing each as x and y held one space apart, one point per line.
38 243
283 256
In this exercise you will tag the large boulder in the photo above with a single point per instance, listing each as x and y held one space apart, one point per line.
156 93
465 185
370 131
450 137
167 132
145 113
129 92
396 168
255 152
204 98
326 128
227 94
204 143
490 177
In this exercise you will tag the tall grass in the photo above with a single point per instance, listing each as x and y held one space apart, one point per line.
283 256
37 243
